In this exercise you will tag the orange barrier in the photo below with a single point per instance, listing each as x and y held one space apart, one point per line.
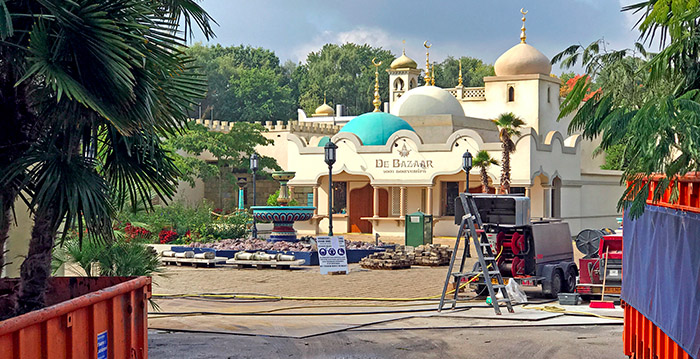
93 318
688 188
644 340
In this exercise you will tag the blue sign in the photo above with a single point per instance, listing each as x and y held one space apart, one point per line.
102 345
331 251
341 251
322 251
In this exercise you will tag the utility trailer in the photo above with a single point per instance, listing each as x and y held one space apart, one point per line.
533 253
601 264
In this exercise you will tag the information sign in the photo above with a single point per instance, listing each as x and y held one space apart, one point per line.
331 254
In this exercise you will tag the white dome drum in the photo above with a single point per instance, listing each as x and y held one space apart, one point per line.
426 101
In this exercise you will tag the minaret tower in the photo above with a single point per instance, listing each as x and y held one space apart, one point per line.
403 76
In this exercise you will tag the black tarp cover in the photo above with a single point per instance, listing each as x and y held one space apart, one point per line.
661 272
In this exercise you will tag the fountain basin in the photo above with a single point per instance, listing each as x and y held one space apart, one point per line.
283 218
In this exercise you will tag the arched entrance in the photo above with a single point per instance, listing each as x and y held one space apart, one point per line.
361 205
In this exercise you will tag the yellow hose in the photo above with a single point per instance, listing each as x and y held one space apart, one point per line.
555 309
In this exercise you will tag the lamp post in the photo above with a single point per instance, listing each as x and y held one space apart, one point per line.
329 150
467 166
242 182
253 168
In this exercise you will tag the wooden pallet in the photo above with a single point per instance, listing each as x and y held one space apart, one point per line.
195 262
240 264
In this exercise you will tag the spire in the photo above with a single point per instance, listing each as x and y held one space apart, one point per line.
376 101
459 80
522 29
427 62
324 97
432 78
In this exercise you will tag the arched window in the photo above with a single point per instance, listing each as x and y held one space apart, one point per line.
511 94
398 84
556 198
412 84
548 91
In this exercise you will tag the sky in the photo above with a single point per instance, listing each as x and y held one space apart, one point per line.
482 29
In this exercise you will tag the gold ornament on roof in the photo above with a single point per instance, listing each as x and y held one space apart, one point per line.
427 61
459 79
324 110
432 78
376 101
403 61
522 29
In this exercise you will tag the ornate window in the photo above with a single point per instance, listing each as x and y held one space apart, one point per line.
398 84
511 94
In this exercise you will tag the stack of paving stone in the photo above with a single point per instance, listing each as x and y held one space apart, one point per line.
432 255
390 259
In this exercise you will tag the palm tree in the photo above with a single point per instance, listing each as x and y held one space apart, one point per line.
509 125
89 88
483 161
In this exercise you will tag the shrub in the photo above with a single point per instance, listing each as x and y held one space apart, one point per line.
272 200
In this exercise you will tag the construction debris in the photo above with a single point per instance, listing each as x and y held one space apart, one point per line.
432 255
390 259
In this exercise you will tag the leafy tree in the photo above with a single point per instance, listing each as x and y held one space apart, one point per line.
245 84
345 74
658 124
473 72
509 125
88 88
231 150
483 161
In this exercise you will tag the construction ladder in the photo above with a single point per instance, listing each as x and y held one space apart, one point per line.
487 266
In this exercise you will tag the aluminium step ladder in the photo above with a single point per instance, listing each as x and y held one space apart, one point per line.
486 267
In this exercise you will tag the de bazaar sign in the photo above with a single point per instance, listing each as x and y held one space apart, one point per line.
398 165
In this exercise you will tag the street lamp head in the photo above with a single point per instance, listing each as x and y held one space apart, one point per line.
254 162
330 150
467 161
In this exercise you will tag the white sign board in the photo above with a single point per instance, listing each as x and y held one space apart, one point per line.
331 254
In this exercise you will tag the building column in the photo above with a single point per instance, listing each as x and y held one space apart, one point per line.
402 199
429 205
315 194
375 209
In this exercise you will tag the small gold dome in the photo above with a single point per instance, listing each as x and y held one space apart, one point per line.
324 110
403 62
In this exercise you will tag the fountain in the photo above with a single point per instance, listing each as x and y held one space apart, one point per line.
283 216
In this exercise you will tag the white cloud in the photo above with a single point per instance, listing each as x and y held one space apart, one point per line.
360 35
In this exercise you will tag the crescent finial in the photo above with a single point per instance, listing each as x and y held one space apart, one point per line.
427 44
522 11
375 63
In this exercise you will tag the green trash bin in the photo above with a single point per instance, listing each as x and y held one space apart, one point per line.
418 229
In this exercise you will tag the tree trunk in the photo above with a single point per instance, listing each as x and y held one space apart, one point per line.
36 268
5 220
484 181
505 166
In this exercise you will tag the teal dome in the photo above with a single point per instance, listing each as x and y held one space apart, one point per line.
323 141
375 128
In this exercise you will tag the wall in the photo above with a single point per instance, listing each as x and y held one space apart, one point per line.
18 244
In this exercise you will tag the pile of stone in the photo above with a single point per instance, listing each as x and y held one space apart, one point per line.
432 255
390 259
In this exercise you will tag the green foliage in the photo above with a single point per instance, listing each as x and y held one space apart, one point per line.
509 125
649 107
473 72
272 200
245 84
118 258
230 149
483 160
233 225
346 74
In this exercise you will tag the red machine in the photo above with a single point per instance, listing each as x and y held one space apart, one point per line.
603 259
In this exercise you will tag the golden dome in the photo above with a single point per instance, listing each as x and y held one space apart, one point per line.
403 62
324 110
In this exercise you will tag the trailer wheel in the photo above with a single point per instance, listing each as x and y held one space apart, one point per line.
570 280
557 282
